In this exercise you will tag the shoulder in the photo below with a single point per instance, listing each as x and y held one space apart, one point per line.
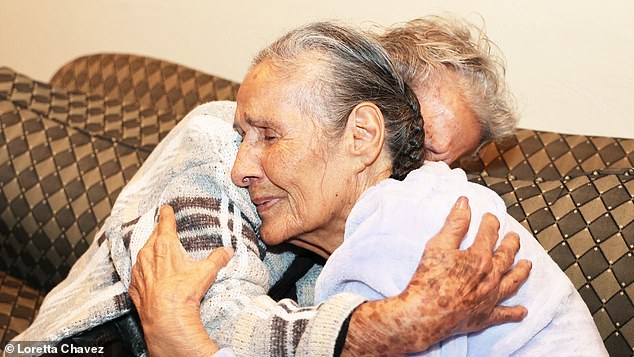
423 200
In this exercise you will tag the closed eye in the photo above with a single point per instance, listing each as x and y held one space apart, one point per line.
268 134
239 131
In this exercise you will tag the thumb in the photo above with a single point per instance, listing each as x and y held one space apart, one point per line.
455 228
210 266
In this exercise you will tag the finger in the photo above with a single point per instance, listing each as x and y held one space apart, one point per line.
134 295
487 234
150 241
514 279
134 289
504 255
137 277
504 314
210 267
455 227
167 222
167 234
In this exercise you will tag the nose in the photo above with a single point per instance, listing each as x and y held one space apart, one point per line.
246 168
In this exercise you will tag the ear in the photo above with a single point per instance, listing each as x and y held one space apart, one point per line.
367 128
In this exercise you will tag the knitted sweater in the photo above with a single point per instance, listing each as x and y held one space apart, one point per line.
189 170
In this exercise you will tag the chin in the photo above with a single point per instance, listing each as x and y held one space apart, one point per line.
272 236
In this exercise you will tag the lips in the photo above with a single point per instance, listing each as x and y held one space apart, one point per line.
263 204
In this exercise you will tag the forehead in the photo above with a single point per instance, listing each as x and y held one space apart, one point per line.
445 97
269 95
259 93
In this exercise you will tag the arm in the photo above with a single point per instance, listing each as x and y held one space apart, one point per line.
429 310
452 292
179 305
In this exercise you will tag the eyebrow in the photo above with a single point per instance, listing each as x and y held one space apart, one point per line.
258 121
252 121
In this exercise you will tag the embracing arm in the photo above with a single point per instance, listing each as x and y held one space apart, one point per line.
167 287
164 267
452 292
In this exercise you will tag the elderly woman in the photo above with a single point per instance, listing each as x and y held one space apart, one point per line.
189 171
326 121
452 67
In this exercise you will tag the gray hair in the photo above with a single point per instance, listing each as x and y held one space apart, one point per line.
339 68
424 49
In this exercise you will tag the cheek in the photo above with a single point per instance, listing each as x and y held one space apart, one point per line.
438 133
298 171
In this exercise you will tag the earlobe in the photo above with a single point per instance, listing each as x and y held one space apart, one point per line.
368 132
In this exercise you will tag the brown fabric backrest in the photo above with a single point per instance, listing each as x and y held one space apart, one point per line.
532 154
148 82
586 224
59 176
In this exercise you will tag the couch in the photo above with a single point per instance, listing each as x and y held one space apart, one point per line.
67 148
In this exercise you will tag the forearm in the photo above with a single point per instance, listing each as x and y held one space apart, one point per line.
377 328
197 342
282 328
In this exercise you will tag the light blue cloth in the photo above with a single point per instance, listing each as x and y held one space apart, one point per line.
386 234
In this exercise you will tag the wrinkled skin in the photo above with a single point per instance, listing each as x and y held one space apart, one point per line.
452 129
452 292
167 286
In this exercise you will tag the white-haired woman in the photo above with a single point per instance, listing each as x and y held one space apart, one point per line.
324 117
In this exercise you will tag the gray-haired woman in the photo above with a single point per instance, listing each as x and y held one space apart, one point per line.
324 116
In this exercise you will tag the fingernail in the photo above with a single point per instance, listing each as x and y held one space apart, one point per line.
462 202
229 251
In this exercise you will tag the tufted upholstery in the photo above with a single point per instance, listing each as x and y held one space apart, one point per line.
532 154
148 82
586 223
68 147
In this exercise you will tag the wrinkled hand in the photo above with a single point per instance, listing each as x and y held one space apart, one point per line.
167 286
452 292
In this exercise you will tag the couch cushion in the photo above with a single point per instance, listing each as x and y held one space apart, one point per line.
149 82
19 303
61 169
587 226
59 185
532 154
124 123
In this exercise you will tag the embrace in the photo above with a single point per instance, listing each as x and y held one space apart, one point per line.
337 150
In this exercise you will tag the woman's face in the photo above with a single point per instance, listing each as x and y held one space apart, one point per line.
300 185
451 128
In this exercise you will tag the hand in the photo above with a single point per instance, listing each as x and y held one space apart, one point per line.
452 292
167 286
